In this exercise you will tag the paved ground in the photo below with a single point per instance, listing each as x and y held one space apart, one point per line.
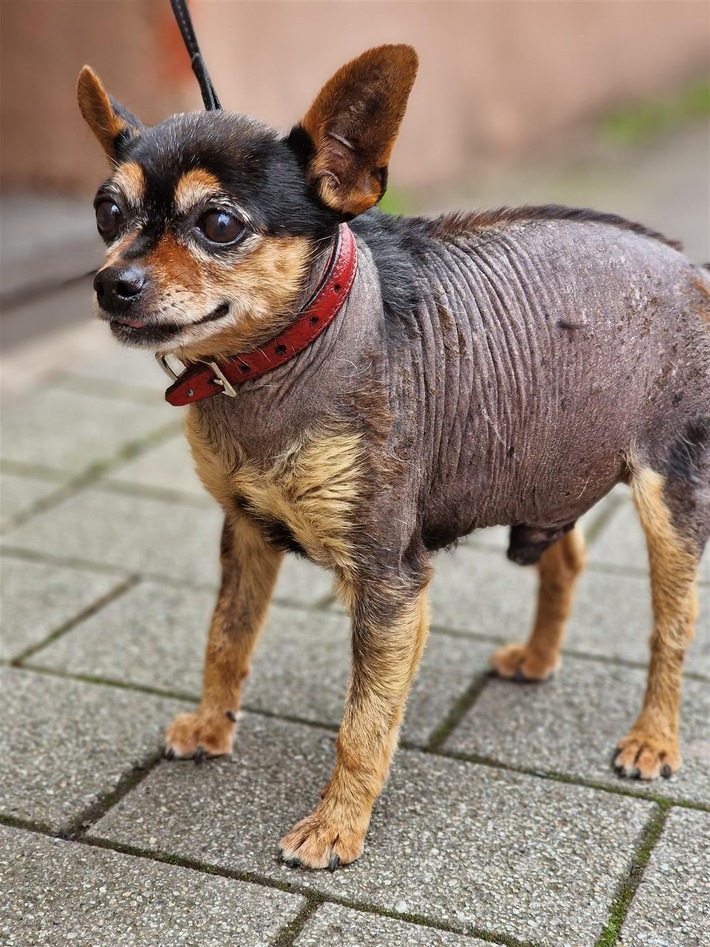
501 821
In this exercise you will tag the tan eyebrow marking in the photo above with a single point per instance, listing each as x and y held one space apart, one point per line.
131 180
194 186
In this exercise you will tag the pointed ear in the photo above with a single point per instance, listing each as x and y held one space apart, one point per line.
353 124
112 124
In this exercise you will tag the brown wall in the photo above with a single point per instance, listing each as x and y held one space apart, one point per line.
496 78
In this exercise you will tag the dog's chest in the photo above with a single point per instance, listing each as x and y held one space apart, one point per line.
304 497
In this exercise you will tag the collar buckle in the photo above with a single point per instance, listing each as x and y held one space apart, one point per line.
162 360
221 379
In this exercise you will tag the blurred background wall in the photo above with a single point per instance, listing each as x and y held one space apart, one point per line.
498 80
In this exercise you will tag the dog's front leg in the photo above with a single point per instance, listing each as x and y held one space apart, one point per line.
389 629
249 569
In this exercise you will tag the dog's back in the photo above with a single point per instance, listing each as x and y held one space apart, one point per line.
551 353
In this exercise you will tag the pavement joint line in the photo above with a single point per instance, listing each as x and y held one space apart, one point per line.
629 572
97 809
69 562
161 494
458 710
111 388
473 759
558 777
294 887
76 619
18 468
629 885
295 927
91 474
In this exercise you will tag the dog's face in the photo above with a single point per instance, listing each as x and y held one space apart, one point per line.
211 219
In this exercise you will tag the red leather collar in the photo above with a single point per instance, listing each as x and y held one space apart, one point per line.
206 379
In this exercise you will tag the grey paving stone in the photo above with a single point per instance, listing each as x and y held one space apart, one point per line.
469 846
57 892
154 636
37 599
168 466
571 723
622 543
303 582
129 533
66 431
66 743
130 367
20 494
672 904
482 592
339 926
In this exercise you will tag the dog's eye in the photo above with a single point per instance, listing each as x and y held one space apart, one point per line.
220 227
109 218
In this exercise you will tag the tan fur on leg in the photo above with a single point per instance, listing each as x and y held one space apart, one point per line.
249 570
385 659
559 568
651 747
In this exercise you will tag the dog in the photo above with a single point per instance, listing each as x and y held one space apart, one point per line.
367 389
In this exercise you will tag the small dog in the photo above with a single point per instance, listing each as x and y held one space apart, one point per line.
367 389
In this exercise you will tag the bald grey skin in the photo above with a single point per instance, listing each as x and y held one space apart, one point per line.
542 359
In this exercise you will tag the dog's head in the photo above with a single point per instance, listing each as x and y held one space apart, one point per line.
211 218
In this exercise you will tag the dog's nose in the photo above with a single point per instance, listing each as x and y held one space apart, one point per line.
117 287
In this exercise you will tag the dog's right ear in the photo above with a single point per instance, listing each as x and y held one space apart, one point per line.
112 124
352 127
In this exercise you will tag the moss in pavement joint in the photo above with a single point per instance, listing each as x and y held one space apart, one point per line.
628 887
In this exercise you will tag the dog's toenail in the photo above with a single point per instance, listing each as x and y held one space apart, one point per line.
232 716
666 772
291 862
199 755
636 773
333 863
170 754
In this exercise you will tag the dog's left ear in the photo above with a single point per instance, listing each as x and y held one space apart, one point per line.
353 124
113 125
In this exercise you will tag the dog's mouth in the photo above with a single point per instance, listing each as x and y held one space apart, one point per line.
147 332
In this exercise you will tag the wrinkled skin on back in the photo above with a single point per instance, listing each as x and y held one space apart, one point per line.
542 357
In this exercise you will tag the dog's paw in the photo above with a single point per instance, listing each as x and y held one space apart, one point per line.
515 662
196 736
322 841
642 755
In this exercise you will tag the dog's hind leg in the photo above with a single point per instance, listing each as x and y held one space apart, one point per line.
675 518
558 569
389 629
249 570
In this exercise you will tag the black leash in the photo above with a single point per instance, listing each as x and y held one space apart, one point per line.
209 96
